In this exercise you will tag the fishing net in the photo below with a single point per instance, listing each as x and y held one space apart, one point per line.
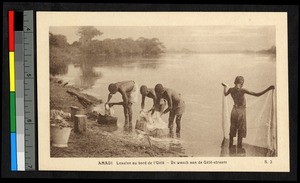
261 121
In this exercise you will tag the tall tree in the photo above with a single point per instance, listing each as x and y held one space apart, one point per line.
59 54
87 33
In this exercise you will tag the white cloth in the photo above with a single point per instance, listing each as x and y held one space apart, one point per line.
59 114
153 121
109 110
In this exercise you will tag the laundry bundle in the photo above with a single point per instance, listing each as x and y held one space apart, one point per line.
152 124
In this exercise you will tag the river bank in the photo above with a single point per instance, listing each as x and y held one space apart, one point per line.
99 141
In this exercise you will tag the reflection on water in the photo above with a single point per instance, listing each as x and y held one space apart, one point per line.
233 152
197 77
86 82
90 68
247 150
138 62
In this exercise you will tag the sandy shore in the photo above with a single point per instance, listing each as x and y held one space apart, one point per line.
100 141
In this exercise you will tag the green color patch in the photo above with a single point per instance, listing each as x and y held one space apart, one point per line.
12 105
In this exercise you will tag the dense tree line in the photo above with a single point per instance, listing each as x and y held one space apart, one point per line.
87 48
60 55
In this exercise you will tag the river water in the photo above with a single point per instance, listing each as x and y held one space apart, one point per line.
197 77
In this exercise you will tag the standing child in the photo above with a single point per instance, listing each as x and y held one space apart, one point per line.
238 113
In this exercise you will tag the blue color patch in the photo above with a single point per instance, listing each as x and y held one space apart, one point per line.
13 149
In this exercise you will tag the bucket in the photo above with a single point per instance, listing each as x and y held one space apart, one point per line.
60 136
107 120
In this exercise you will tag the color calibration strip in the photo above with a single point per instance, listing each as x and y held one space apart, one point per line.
22 89
12 96
19 74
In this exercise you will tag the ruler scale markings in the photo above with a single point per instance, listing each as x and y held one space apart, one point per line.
29 91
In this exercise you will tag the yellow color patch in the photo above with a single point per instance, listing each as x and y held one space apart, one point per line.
12 71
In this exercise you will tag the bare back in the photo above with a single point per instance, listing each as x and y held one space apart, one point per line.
172 97
151 94
238 96
125 86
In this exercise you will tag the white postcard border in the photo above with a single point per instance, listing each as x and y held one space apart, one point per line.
233 164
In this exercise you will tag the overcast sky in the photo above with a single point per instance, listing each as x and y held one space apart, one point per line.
196 38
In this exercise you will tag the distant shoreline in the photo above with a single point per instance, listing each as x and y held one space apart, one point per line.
253 53
270 51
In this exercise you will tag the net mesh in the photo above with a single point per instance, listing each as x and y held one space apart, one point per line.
261 121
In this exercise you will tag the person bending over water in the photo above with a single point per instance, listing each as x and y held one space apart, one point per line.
238 113
176 106
129 92
157 105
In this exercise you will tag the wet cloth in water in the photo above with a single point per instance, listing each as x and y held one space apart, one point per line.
133 94
152 122
238 122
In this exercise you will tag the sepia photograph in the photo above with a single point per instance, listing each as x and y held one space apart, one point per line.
159 89
186 90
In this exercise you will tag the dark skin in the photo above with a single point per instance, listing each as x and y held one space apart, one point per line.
150 93
172 97
124 88
238 92
238 96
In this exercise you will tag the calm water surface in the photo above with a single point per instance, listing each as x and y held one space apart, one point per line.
197 77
